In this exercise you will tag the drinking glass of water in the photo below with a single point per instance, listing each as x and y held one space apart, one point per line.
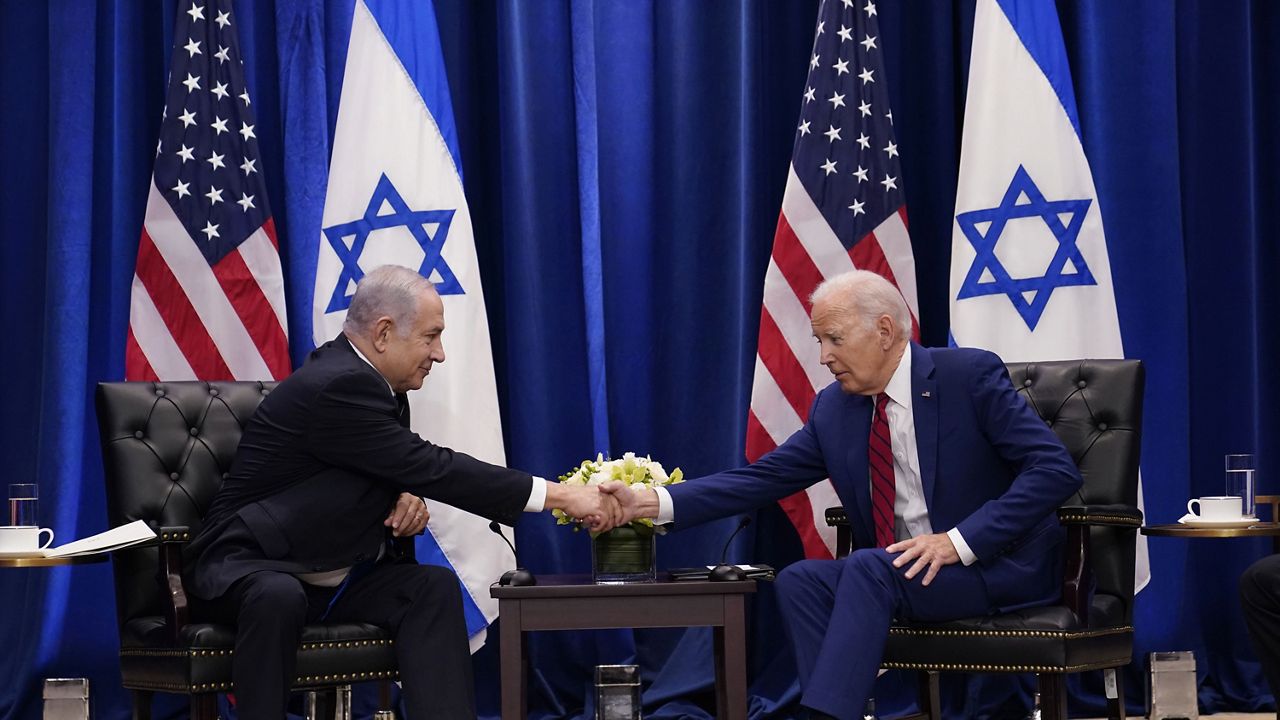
1240 477
22 504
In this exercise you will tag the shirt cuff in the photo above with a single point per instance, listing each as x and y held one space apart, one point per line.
666 508
962 548
537 496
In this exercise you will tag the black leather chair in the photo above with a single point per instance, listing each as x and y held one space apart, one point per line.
166 447
1095 407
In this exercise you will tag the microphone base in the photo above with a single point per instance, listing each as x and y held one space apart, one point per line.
726 573
518 578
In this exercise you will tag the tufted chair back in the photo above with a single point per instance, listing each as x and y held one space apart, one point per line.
1095 407
166 448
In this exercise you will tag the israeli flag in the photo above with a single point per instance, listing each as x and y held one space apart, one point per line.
395 197
1030 275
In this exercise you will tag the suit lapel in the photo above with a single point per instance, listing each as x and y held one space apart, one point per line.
924 406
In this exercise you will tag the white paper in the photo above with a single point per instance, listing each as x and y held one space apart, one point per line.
124 536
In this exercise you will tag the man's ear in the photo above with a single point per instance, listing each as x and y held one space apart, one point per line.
884 331
382 330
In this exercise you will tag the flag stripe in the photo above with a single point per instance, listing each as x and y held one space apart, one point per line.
792 318
777 416
241 287
178 314
812 230
263 260
800 511
134 358
794 264
776 355
895 244
157 347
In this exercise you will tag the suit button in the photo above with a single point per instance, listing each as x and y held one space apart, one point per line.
360 558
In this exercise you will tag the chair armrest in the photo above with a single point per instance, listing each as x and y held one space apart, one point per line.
169 573
1109 515
838 519
1077 581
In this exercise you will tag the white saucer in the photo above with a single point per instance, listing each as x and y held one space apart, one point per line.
1240 523
23 553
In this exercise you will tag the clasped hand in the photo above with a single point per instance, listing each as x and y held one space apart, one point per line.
598 511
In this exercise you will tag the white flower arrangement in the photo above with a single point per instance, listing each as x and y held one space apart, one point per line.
639 473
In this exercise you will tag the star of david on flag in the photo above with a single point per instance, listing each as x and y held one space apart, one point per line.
419 223
988 276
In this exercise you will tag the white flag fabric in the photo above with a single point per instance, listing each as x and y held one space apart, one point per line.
395 196
1030 274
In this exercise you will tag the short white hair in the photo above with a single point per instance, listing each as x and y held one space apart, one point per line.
867 296
387 290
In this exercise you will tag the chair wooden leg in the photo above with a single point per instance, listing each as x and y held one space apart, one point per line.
204 706
929 697
1113 685
1053 695
384 695
142 704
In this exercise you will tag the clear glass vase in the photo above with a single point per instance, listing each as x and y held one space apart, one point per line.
625 554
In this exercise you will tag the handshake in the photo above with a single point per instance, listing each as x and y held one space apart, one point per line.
603 507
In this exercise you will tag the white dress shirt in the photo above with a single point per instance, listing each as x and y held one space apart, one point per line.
910 513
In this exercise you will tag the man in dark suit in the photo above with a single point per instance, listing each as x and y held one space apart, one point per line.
326 471
1260 599
949 478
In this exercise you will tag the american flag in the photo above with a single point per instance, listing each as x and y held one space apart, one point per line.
208 294
843 208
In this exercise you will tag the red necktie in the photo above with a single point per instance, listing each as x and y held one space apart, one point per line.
882 483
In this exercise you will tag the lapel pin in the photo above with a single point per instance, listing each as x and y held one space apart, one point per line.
925 394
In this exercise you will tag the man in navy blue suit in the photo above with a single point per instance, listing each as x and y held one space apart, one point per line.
949 478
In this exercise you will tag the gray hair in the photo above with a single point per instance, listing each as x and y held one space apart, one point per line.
870 295
387 290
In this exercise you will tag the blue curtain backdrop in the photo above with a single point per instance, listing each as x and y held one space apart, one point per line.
624 163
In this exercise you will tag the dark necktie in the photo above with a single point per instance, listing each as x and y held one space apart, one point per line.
880 452
402 402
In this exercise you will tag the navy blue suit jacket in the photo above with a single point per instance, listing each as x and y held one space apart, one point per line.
989 464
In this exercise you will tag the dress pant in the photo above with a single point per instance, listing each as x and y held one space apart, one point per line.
420 605
838 614
1260 598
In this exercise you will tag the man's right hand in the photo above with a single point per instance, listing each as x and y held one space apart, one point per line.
597 511
632 504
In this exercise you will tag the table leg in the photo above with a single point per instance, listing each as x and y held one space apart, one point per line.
512 661
731 660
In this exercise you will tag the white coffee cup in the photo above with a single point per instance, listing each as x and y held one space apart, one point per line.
23 538
1217 508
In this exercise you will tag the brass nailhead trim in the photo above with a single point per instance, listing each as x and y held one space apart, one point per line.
1065 634
1120 519
963 667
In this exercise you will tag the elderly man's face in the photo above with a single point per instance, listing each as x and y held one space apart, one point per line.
858 357
409 358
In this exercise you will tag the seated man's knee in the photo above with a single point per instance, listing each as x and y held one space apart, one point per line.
870 563
1260 583
435 583
274 594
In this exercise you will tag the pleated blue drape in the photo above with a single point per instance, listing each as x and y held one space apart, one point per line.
624 165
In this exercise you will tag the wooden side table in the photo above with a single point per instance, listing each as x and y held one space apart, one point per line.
573 602
1262 529
28 562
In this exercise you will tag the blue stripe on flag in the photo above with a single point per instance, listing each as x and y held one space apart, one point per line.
1036 23
429 553
411 29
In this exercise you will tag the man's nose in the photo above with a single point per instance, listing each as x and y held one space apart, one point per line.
438 355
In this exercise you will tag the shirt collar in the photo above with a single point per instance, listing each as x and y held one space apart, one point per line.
899 387
360 355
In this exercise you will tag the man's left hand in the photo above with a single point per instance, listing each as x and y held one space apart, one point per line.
408 517
928 551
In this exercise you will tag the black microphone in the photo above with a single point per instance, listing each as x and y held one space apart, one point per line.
518 577
723 572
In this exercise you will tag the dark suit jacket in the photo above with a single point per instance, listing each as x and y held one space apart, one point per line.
318 468
989 464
